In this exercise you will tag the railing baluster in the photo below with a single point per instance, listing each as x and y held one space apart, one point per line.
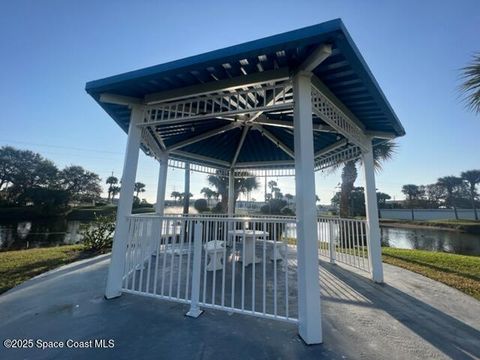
243 268
190 249
167 226
180 256
214 238
173 244
157 250
264 267
274 269
149 252
224 267
234 260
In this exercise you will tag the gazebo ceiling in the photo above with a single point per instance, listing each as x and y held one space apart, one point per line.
344 74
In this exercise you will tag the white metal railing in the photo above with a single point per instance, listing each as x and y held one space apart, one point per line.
344 240
249 269
220 215
274 97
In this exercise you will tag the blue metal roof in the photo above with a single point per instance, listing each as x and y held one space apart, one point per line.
345 73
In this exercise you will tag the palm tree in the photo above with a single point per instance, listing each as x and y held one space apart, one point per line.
139 187
289 198
413 192
175 195
472 178
112 181
381 152
115 191
207 192
243 184
382 198
450 183
471 83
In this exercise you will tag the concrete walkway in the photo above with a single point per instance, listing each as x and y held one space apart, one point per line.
409 317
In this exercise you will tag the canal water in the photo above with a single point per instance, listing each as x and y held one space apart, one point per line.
431 239
42 233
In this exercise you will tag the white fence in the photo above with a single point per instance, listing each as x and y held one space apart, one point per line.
344 241
243 264
426 214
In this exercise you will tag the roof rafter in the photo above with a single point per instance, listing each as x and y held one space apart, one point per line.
316 58
240 145
221 85
275 140
204 136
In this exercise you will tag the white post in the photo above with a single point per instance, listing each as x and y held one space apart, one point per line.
309 311
374 245
124 209
197 263
186 191
160 205
332 246
231 192
162 183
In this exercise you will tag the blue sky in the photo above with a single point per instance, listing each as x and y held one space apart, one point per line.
50 49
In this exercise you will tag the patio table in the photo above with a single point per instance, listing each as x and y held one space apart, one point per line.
250 237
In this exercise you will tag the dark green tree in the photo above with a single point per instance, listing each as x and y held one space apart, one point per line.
381 152
112 181
80 184
139 188
451 184
472 178
242 185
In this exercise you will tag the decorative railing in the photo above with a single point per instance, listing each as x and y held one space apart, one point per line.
344 241
325 109
266 98
243 265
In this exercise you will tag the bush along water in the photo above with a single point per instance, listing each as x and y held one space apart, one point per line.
98 235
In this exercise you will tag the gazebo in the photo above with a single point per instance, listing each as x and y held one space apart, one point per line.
289 104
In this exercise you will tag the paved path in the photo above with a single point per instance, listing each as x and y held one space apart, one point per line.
409 317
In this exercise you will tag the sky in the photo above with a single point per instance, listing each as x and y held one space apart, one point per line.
50 49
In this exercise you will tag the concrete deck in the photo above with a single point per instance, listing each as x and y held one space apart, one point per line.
409 317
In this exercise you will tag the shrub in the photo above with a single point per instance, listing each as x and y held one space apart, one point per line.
218 209
201 205
98 235
288 212
274 207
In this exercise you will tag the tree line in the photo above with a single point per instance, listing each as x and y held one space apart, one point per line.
27 177
449 191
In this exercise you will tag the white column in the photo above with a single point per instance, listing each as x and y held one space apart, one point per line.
124 209
373 227
309 311
231 192
186 189
162 183
195 310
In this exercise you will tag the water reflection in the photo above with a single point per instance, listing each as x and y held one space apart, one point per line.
38 233
52 232
431 239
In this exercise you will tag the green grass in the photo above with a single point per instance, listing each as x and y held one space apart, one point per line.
17 266
458 271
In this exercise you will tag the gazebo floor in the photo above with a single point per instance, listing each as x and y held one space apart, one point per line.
261 288
409 317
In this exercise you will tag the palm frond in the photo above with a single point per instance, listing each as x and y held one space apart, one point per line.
470 86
